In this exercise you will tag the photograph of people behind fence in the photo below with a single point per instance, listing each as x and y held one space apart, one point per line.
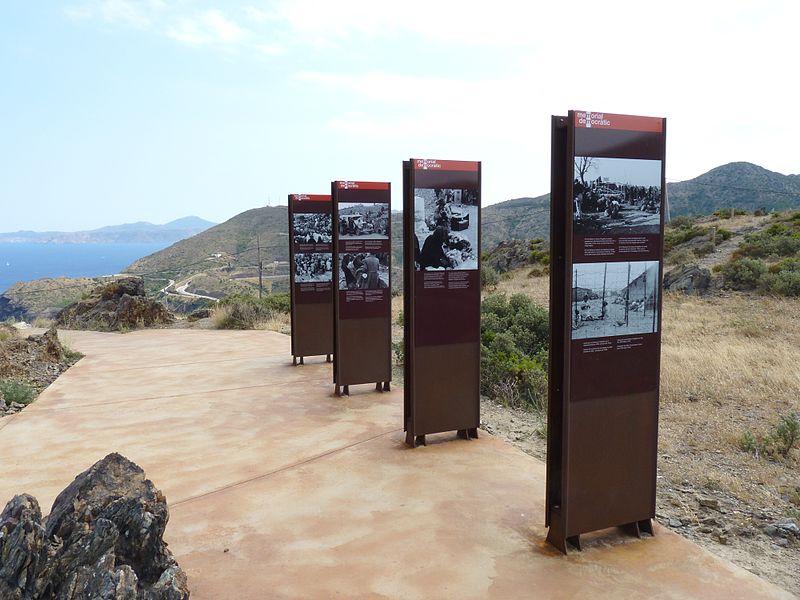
312 228
614 196
615 298
364 271
445 229
362 221
313 267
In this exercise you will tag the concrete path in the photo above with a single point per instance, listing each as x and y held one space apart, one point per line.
278 489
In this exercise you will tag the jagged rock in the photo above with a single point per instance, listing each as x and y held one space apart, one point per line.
782 529
103 540
689 279
200 313
21 538
712 503
117 306
51 345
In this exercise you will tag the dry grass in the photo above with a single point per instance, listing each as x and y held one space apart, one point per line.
729 365
536 287
224 314
280 322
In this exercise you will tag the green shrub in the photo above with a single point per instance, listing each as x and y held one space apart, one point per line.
680 257
17 391
400 318
680 234
782 279
726 213
705 249
514 343
723 234
399 350
743 273
787 433
489 278
783 437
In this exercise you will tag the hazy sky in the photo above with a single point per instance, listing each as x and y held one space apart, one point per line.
121 110
622 170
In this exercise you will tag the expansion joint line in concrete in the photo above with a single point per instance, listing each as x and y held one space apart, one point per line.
283 469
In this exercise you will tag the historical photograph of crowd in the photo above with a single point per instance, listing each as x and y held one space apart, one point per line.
364 271
363 221
313 267
312 228
446 229
616 298
616 196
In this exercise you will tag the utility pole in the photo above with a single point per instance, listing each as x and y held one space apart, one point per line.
260 268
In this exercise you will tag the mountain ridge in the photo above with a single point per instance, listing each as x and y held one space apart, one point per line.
126 233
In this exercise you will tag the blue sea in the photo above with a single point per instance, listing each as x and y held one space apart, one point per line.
24 262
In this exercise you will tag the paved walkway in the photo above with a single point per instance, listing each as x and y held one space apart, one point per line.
278 489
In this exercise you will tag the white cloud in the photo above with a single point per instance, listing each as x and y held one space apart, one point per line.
208 27
135 13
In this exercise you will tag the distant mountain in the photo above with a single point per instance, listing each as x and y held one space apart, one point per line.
128 233
233 243
521 219
740 185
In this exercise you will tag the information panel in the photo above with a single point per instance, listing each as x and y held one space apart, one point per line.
311 268
442 297
606 246
362 218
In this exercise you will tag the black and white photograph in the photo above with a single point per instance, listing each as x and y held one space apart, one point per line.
446 229
615 298
312 228
313 267
363 221
364 271
616 196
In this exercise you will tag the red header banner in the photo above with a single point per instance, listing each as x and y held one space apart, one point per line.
361 185
426 164
310 197
598 120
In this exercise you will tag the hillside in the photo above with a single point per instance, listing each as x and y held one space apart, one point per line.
740 184
128 233
230 245
521 218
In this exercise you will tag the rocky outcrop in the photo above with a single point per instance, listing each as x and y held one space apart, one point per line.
38 359
118 306
689 279
103 540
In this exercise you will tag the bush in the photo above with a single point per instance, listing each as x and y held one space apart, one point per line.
17 391
514 343
726 213
705 249
781 278
783 437
489 278
680 257
399 351
247 312
675 235
787 433
744 273
723 234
